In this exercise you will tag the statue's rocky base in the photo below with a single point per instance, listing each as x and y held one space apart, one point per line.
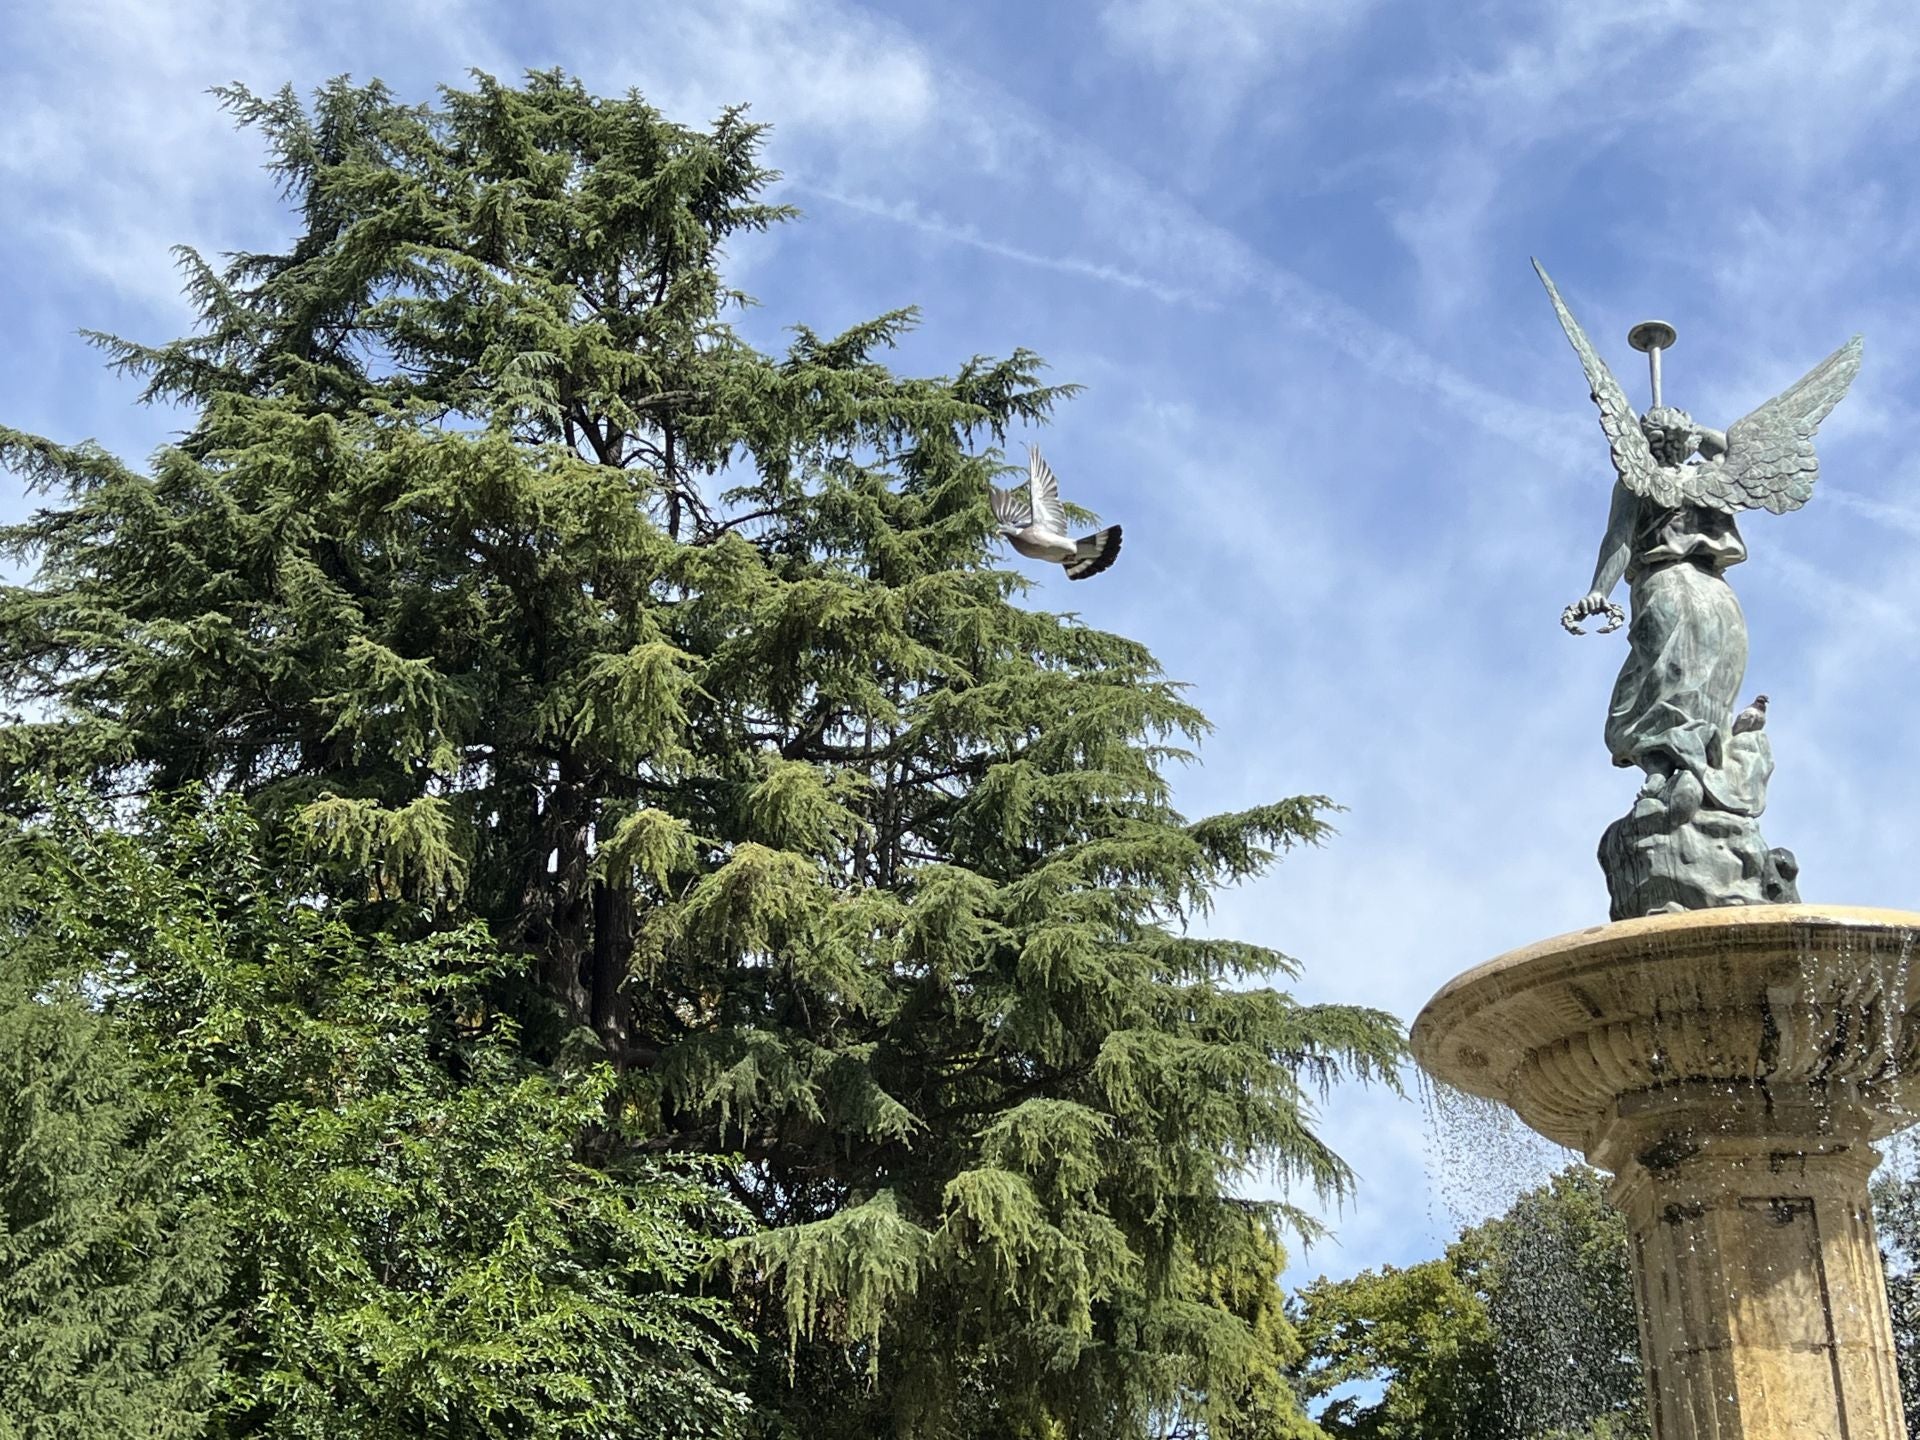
1656 867
1693 841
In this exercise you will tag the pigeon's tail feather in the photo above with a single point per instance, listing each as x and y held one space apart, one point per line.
1095 553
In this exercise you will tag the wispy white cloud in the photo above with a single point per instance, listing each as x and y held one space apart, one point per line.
1903 518
113 192
154 162
1847 603
1799 88
1166 248
1706 116
820 69
1217 51
907 213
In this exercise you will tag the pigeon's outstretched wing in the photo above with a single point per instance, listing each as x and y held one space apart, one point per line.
1043 493
1011 507
1770 463
1631 456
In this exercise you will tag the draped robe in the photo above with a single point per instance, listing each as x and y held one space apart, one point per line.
1673 702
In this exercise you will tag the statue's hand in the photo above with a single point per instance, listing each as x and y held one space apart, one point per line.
1588 605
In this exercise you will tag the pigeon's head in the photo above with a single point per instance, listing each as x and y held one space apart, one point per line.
1671 434
1759 702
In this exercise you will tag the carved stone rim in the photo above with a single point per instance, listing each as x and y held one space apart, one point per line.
1598 944
1559 1028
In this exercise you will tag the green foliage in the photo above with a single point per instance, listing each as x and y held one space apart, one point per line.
1896 1215
113 1256
415 1242
407 851
1525 1330
1423 1333
507 584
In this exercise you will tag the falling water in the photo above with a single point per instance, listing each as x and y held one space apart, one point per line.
1558 1293
1480 1156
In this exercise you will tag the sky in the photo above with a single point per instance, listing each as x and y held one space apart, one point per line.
1283 244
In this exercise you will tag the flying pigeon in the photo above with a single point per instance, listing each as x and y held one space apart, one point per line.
1035 524
1754 717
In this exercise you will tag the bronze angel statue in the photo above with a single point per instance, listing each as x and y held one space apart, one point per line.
1692 839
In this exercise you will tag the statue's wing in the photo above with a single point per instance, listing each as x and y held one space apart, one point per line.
1631 457
1770 462
1048 513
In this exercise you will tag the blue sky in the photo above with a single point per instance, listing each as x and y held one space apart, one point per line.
1283 243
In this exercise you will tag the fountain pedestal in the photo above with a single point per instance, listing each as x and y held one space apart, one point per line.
1732 1069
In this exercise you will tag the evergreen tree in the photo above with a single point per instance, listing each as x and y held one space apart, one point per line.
389 1207
506 581
113 1256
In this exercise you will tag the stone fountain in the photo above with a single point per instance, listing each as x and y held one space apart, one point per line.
1729 1054
1732 1069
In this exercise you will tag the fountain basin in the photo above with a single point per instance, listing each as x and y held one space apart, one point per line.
1803 1000
1732 1068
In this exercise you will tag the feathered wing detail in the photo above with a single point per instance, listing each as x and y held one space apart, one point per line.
1044 495
1707 484
1770 464
1011 506
1095 553
1631 457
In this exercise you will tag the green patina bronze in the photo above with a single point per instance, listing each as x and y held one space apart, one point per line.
1692 839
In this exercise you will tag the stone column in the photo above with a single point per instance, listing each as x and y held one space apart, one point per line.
1763 1311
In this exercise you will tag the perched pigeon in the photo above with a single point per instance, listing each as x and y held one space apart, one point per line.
1035 524
1754 717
